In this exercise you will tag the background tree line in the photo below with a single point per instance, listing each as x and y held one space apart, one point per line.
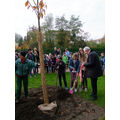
63 33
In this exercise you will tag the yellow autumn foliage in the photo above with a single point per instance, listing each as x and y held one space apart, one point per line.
26 4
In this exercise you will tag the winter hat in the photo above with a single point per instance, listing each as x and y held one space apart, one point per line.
23 53
86 48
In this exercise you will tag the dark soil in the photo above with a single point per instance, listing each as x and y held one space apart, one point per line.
69 107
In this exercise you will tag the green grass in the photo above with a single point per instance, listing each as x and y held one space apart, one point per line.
35 82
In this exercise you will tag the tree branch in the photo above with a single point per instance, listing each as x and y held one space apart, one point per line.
34 3
32 8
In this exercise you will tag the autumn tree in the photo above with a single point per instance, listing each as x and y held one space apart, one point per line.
74 27
61 23
49 34
18 39
39 9
32 37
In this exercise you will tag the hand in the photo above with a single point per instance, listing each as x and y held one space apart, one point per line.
77 74
84 64
73 69
38 64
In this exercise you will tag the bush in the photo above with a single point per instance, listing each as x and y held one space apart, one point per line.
99 48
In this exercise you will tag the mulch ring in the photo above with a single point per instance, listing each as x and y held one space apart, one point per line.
69 107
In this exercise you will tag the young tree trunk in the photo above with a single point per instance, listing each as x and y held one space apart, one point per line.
41 56
42 69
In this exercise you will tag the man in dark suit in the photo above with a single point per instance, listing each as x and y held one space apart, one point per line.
93 70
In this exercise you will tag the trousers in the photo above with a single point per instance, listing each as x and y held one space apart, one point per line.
19 86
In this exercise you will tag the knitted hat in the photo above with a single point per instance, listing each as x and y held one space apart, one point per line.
86 48
23 54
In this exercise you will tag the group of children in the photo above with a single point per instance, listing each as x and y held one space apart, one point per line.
76 69
25 62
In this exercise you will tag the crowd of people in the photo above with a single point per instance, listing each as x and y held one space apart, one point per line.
83 64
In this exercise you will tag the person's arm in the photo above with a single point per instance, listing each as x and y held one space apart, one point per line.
56 66
26 56
16 65
70 66
78 69
91 61
32 64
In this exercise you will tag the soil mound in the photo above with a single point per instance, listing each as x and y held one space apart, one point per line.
69 107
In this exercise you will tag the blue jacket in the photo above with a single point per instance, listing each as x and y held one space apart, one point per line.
76 65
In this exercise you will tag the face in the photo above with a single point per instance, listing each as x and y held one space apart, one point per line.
81 51
29 52
55 48
87 52
21 57
75 57
102 54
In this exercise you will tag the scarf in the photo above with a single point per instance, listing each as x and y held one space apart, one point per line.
23 60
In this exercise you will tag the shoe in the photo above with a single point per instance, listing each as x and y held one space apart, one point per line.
80 89
86 89
59 87
75 90
30 76
66 88
71 91
34 75
17 101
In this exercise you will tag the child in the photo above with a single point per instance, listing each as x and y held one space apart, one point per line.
65 59
22 69
74 66
83 58
60 66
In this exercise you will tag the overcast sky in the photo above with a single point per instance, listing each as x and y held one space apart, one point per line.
91 12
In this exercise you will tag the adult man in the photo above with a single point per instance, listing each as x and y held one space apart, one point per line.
35 49
93 70
55 52
59 51
22 68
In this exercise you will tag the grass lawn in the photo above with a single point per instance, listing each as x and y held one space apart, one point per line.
35 82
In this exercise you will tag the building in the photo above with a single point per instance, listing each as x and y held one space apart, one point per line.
100 40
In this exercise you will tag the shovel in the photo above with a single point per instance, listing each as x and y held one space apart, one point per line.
56 80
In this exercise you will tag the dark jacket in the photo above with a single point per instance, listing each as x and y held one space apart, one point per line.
53 60
55 52
93 66
76 65
30 57
61 67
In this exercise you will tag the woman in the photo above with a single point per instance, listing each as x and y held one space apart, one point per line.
83 58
